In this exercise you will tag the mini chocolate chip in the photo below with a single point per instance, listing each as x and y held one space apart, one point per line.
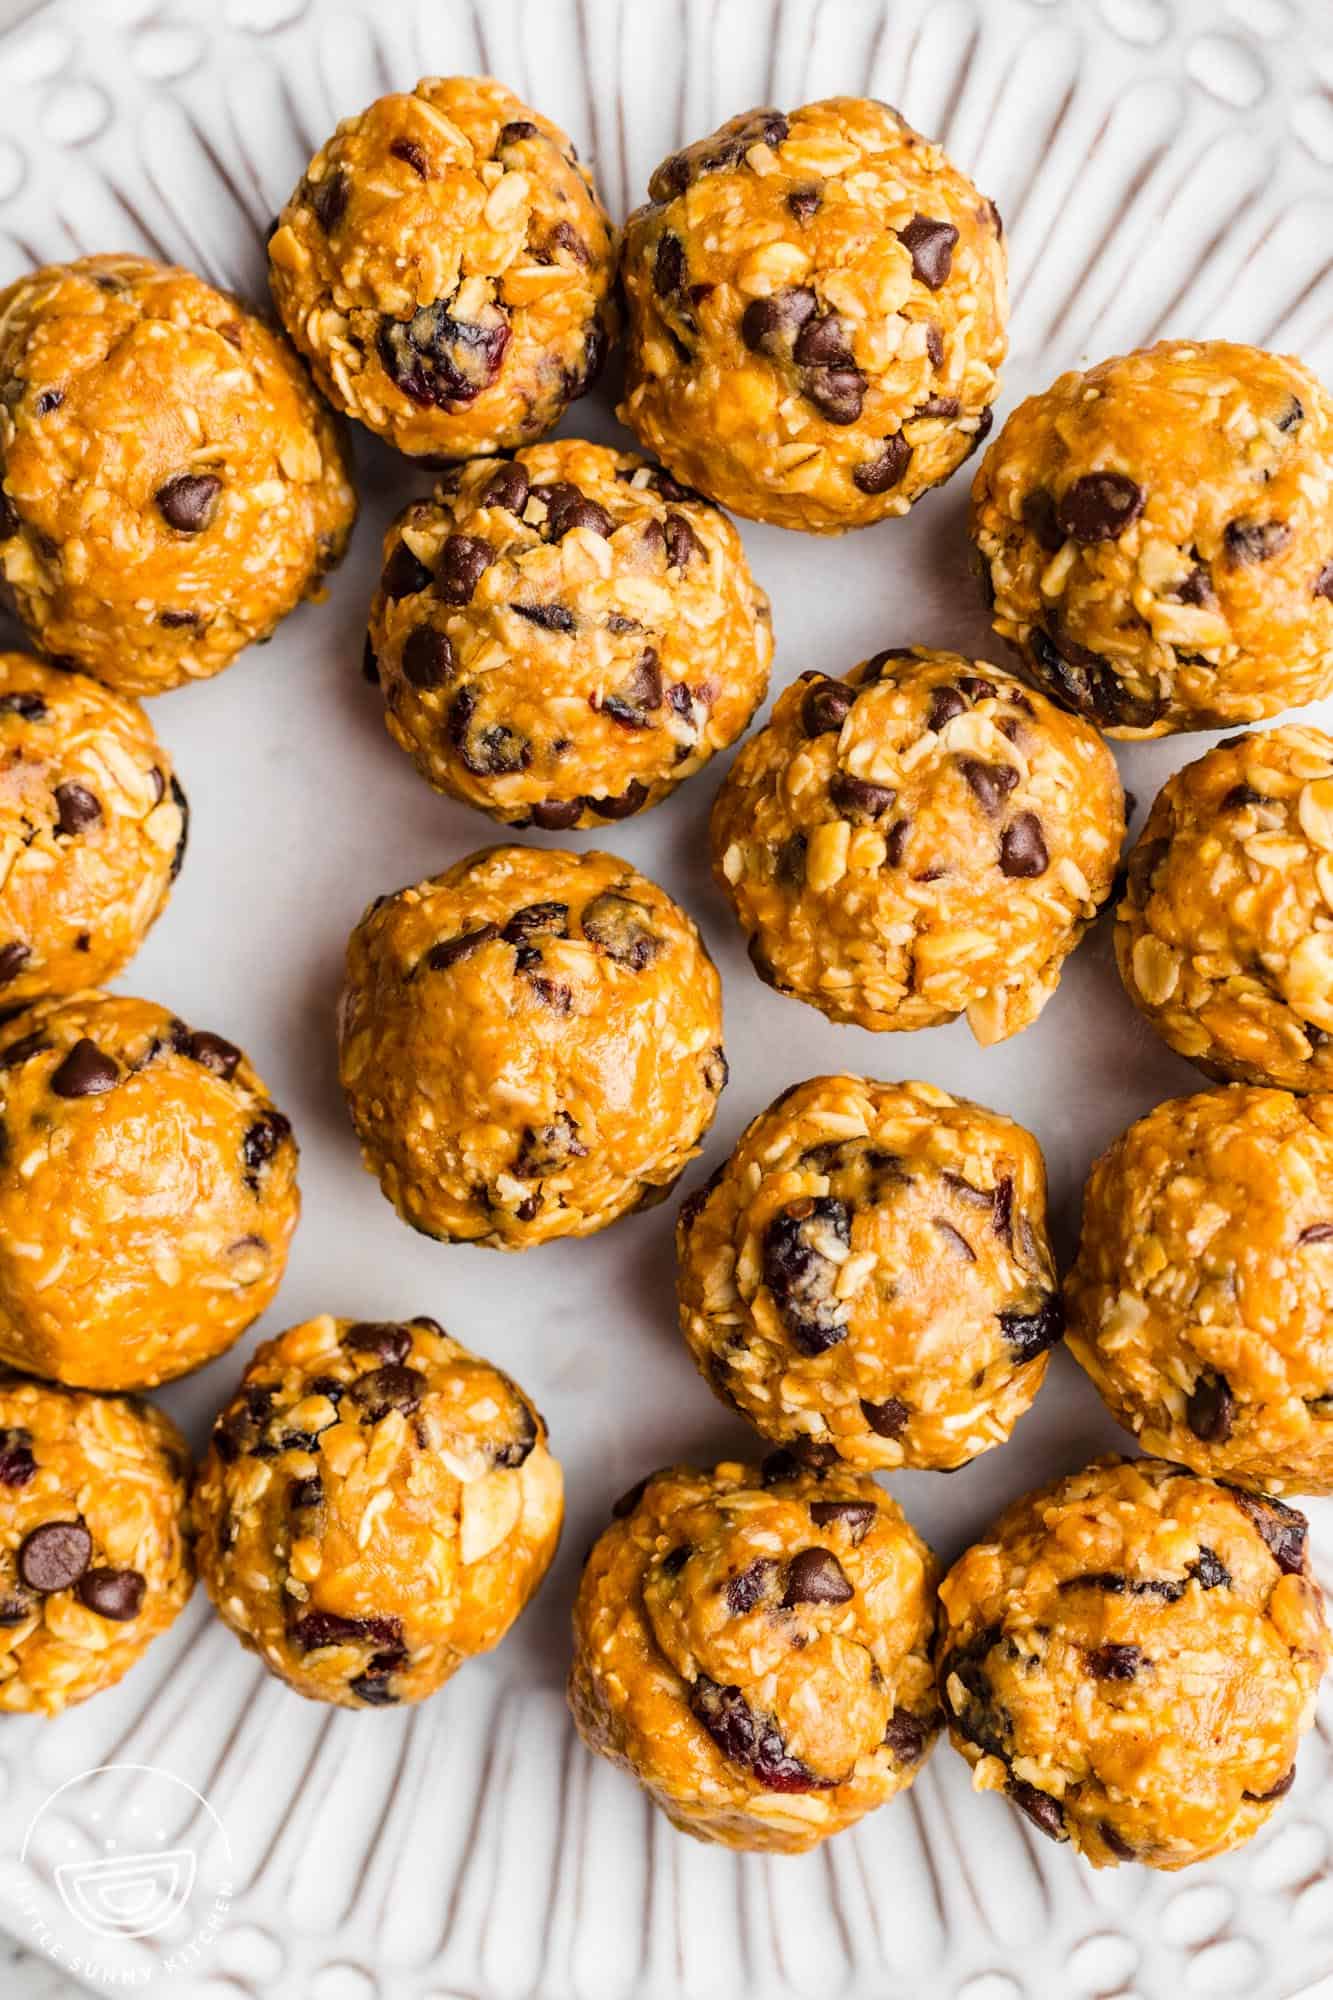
1039 518
990 784
1117 1843
1211 1409
1323 583
682 544
392 1387
1023 852
17 1464
464 560
887 1419
750 1740
932 246
1317 1232
537 920
214 1053
858 799
15 1610
945 704
428 657
554 815
550 617
802 1455
1047 1814
1028 1334
388 1342
112 1593
328 199
815 1576
954 1239
624 805
856 1516
567 508
189 501
770 326
9 520
825 707
805 201
801 1279
1277 1791
1197 587
32 707
622 928
934 344
490 751
1282 1528
1115 1663
54 1556
450 950
755 1582
315 1629
638 696
895 843
50 399
837 393
823 343
305 1493
1293 415
404 574
906 1736
1099 506
507 488
1255 541
85 1072
668 265
882 472
263 1138
78 809
938 406
1208 1570
518 130
408 151
13 957
546 1149
439 361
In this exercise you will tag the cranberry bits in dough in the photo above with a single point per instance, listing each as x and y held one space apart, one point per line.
922 840
447 269
753 1645
816 315
564 636
173 486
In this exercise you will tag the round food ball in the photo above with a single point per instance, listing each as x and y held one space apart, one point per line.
446 267
93 826
870 1271
921 840
563 636
753 1645
147 1193
1155 537
173 486
376 1506
94 1553
1224 935
1201 1299
817 307
530 1045
1132 1655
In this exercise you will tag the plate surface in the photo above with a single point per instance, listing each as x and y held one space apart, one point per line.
1161 168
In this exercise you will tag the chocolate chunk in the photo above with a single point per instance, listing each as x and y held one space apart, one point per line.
668 265
464 560
554 815
1028 1334
17 1464
31 707
507 488
392 1387
77 808
1039 518
882 472
214 1053
404 574
800 1277
550 617
825 707
54 1556
1047 1814
316 1629
439 361
389 1343
546 1149
263 1139
751 1740
815 1576
1099 506
85 1072
624 805
837 393
859 800
1254 541
622 928
493 750
682 544
639 695
112 1593
990 784
1211 1409
13 957
906 1735
805 200
932 246
887 1419
1023 852
536 920
1283 1529
751 1585
189 501
450 950
428 658
1115 1663
854 1515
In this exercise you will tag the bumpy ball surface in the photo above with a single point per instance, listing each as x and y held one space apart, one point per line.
376 1506
753 1644
94 1548
1156 537
1132 1654
173 486
147 1193
921 840
531 1045
562 637
816 315
446 267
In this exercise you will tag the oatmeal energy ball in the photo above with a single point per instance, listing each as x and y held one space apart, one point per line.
753 1645
92 830
816 315
446 267
1156 537
172 485
94 1550
565 635
530 1045
376 1506
870 1271
921 840
1132 1655
1225 933
1201 1299
147 1193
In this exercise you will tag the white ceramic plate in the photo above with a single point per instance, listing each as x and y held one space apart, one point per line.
1161 168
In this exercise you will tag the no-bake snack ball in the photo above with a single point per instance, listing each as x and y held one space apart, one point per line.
817 308
94 1547
172 485
446 267
376 1506
563 636
870 1271
1201 1299
1156 540
753 1645
93 825
530 1045
921 840
147 1193
1224 935
1132 1655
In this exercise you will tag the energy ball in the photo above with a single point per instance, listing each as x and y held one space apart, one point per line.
1224 936
817 308
94 1548
870 1272
563 636
753 1645
376 1506
446 267
1132 1655
172 485
921 840
1201 1299
147 1193
93 826
530 1046
1155 537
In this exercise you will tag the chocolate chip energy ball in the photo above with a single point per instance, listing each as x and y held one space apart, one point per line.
147 1193
753 1645
921 840
1201 1299
446 267
565 635
376 1506
94 1550
1156 539
1224 935
1132 1655
816 315
530 1045
92 830
870 1272
172 485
